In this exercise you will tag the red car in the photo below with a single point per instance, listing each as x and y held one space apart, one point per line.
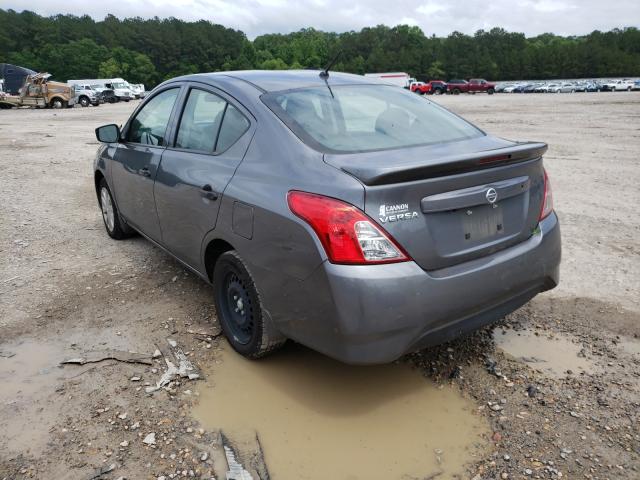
475 85
420 88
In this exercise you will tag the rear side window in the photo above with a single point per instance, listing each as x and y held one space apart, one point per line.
358 118
150 124
200 121
233 127
209 124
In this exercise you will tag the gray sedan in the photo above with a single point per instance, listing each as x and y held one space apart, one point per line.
329 209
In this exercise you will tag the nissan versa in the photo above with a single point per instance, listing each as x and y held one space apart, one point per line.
353 217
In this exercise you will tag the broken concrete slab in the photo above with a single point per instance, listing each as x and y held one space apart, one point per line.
99 356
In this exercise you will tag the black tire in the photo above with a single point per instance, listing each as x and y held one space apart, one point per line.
56 103
456 91
117 229
84 101
245 323
491 91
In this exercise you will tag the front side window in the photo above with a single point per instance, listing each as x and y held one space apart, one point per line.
150 124
200 121
357 118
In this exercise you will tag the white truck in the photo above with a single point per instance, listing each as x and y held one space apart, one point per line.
137 89
401 79
118 85
618 85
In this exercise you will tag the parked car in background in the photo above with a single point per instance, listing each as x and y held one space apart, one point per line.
374 234
400 79
520 88
531 88
139 90
86 95
457 86
636 85
475 85
118 85
552 88
438 87
567 87
617 85
421 88
510 88
107 96
480 85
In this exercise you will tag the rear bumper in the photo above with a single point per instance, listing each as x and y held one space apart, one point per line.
376 313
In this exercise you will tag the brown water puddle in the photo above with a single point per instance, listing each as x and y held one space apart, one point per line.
320 419
29 374
553 355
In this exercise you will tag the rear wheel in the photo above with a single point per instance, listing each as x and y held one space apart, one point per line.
456 91
245 323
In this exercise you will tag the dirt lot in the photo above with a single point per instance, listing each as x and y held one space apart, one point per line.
553 391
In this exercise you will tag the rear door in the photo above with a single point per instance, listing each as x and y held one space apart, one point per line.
211 137
136 161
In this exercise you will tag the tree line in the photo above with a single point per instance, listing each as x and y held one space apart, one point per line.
151 50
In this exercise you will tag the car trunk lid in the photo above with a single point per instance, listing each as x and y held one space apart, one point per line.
450 203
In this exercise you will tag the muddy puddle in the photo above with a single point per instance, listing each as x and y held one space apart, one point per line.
27 370
319 419
554 355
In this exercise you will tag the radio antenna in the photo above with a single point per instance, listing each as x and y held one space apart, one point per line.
325 73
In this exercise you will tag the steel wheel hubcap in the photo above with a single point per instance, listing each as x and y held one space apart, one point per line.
107 209
238 309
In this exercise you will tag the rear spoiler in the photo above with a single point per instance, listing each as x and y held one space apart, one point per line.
447 165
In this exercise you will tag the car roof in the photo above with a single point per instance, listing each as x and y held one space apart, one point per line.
275 80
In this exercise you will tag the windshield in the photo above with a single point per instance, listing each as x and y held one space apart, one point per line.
119 85
359 118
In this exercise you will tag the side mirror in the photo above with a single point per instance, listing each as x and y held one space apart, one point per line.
108 133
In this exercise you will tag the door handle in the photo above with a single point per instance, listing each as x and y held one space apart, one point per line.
207 192
144 172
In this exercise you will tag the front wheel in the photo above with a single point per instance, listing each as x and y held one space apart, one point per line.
245 323
491 91
456 91
56 103
84 101
114 225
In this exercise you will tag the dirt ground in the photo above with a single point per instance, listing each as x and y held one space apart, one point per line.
554 389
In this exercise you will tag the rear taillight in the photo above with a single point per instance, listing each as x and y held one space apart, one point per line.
346 233
547 200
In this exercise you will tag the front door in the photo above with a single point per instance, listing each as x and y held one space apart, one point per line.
136 162
211 140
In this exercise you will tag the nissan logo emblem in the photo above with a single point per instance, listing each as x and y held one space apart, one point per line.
491 195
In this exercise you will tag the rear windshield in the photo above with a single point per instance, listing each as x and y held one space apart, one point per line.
359 118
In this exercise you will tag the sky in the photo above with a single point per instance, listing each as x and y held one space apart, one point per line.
439 17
